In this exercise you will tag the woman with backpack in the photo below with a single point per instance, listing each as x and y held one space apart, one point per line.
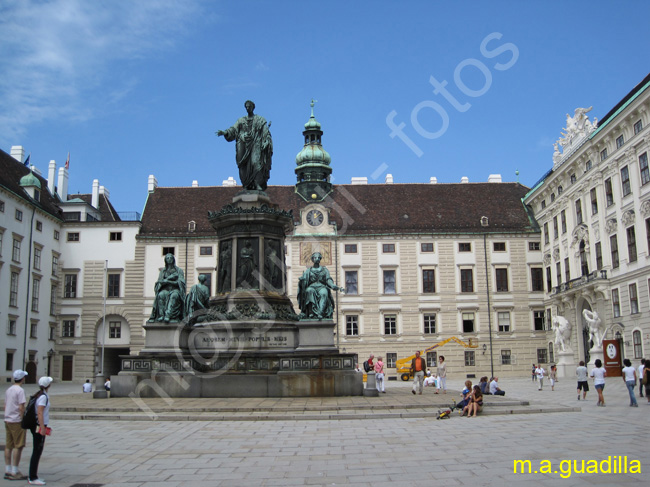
41 429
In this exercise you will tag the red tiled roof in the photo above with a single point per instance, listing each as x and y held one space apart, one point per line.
358 209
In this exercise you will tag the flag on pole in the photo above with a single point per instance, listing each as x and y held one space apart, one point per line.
27 160
67 162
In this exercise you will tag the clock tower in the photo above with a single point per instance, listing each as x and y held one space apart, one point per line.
313 169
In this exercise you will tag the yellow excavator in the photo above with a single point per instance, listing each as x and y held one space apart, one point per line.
403 366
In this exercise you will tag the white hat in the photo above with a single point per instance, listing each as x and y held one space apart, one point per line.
45 381
19 375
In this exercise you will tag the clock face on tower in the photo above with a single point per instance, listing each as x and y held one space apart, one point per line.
314 218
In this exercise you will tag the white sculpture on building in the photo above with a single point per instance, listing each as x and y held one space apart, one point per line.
596 328
562 329
577 129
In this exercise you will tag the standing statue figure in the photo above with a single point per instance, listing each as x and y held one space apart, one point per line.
254 148
225 264
314 295
170 293
596 328
247 266
562 329
198 297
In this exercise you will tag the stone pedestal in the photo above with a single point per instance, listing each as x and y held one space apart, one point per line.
371 386
566 364
249 342
595 353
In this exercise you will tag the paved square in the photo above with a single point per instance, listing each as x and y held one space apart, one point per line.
365 452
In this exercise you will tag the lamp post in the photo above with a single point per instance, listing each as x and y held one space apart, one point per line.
99 392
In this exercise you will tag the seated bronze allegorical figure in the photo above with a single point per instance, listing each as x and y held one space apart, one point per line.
170 293
314 291
198 298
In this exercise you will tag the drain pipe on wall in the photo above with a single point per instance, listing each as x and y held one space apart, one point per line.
487 286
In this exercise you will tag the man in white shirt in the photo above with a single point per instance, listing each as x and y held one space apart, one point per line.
540 373
15 440
88 387
494 388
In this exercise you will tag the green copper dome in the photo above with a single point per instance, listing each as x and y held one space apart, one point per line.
30 180
313 169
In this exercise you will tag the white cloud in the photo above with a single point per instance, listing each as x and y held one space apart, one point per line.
54 55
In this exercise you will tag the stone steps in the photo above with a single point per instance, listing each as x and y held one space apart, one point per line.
307 413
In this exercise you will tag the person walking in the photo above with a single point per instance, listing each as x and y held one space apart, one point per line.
15 434
533 373
646 379
418 366
552 377
629 377
442 375
540 372
582 374
379 375
599 374
41 430
640 376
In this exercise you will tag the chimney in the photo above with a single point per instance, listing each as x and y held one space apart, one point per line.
464 180
229 182
195 184
95 196
359 180
18 153
433 180
389 179
51 177
35 170
63 184
105 192
152 184
494 178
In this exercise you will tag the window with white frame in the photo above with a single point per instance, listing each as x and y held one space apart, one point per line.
429 323
538 320
470 359
609 192
542 355
37 258
426 247
428 281
643 168
15 253
638 347
13 290
501 277
620 141
468 322
352 325
389 282
625 181
67 330
466 281
432 359
388 248
506 357
613 245
634 299
390 324
351 282
391 358
616 303
115 329
70 286
36 292
631 244
11 326
594 201
638 126
503 318
113 286
53 291
33 330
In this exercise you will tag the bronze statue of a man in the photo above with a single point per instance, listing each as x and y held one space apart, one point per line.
253 150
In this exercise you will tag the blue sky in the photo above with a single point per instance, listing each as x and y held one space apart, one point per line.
137 88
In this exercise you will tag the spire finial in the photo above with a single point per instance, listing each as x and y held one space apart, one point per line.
312 106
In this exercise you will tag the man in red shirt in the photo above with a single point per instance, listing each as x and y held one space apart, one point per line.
418 366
